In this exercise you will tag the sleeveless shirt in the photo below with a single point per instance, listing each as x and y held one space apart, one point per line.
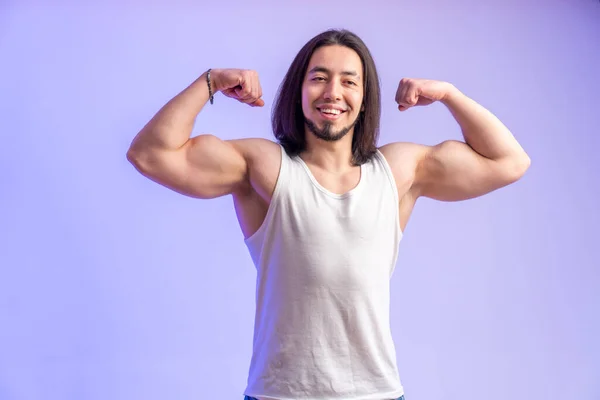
324 263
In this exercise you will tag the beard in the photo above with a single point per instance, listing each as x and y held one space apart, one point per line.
326 132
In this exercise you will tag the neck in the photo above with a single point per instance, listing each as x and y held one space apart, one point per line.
331 156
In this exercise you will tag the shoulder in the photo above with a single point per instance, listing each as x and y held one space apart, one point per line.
401 152
404 159
258 151
263 160
253 147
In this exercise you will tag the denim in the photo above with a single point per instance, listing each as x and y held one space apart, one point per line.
252 398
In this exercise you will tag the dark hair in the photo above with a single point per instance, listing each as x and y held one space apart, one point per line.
288 119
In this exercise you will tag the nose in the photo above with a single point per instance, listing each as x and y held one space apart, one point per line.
333 91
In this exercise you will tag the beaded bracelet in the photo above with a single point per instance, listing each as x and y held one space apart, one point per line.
210 93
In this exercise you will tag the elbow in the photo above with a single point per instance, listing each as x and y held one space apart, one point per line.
517 167
523 164
138 159
133 156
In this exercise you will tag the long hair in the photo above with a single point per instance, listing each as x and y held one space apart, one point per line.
287 118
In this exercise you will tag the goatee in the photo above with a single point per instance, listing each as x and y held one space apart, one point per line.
326 133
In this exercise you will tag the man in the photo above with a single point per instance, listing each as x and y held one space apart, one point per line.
323 211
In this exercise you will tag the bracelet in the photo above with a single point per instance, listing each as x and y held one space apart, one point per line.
210 93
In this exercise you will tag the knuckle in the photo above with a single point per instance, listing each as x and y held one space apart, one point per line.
246 89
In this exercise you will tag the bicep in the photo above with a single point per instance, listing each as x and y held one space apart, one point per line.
205 167
453 171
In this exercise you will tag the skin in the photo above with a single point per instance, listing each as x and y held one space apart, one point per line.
207 167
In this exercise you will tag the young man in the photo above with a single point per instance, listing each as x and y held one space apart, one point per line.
324 210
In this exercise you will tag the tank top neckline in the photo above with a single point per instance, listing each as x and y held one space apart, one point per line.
329 193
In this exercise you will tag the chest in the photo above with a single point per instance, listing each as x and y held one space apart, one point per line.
358 218
336 183
349 243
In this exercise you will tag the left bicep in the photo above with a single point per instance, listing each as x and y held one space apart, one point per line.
453 171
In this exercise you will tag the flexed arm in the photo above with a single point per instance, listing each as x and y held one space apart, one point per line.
205 166
490 157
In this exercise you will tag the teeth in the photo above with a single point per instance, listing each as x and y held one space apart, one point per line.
331 111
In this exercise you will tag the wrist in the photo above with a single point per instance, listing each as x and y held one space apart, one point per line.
214 81
451 94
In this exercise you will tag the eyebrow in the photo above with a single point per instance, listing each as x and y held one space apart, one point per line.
327 71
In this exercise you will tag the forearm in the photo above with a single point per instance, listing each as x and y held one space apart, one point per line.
172 125
482 130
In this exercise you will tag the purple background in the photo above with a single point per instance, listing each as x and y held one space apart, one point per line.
113 287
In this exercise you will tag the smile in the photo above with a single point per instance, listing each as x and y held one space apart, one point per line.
330 113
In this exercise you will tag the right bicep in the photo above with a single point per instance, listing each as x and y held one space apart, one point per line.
205 167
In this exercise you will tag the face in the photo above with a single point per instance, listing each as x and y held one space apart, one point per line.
332 92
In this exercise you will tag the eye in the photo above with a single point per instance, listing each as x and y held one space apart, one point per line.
318 78
351 83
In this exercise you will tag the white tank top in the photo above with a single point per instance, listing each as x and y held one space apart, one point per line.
324 263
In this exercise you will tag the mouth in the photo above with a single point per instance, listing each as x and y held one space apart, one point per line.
330 113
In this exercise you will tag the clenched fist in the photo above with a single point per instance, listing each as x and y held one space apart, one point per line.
240 84
420 92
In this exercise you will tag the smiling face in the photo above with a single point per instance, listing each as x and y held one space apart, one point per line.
332 92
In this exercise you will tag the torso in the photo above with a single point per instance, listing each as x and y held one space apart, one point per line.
264 161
